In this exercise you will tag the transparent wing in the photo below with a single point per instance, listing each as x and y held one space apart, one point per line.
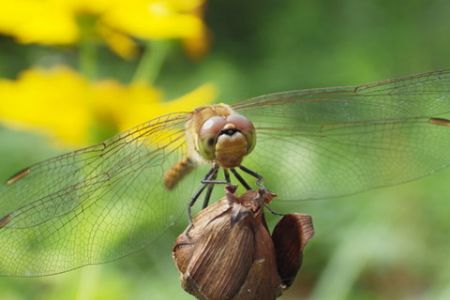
336 141
95 204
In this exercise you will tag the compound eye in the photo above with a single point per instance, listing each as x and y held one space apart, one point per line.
208 136
242 123
212 127
245 126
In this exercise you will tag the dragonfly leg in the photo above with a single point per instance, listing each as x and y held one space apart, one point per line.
273 212
259 178
240 179
209 190
226 174
206 181
212 181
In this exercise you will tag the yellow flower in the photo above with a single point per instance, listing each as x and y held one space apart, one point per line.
61 104
64 21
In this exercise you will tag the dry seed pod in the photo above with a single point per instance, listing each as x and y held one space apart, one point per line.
229 253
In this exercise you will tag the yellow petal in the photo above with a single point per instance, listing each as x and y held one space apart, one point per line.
84 6
197 46
121 44
153 20
49 102
145 104
37 21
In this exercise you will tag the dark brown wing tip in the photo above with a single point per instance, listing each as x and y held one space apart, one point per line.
19 175
440 121
5 220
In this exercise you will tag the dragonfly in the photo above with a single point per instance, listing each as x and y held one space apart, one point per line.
106 201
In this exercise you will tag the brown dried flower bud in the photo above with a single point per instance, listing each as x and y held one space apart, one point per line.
229 253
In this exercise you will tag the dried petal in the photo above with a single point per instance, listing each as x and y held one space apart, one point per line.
290 237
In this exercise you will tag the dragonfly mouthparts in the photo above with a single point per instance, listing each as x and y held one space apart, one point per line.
229 131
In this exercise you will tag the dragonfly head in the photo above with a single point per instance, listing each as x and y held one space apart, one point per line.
226 139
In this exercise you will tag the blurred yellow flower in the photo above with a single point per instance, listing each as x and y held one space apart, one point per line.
64 21
62 104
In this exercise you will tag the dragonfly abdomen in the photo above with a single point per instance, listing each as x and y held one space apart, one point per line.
177 172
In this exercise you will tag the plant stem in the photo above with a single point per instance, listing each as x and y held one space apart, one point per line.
89 278
88 59
151 61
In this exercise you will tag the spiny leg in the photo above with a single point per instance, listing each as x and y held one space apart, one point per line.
205 182
259 182
273 212
209 190
226 174
211 182
240 179
260 179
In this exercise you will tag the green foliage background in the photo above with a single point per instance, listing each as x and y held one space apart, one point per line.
384 244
